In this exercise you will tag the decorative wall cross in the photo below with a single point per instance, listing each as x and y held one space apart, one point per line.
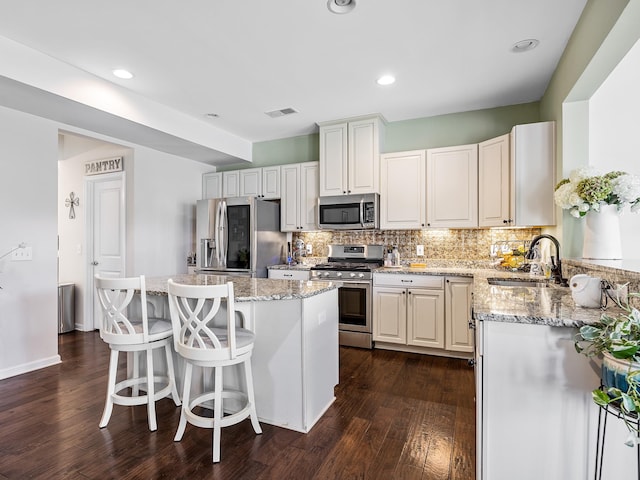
70 203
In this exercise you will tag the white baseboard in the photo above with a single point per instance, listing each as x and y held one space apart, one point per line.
29 367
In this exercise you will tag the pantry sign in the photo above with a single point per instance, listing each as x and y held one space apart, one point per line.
108 165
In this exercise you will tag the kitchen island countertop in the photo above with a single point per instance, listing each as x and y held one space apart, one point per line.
246 289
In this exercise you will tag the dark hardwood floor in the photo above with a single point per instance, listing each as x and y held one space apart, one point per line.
396 416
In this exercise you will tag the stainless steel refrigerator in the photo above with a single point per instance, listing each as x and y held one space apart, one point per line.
239 236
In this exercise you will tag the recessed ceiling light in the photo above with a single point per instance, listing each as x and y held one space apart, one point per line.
124 74
341 6
525 45
386 80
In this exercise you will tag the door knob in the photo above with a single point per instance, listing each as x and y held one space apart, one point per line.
94 263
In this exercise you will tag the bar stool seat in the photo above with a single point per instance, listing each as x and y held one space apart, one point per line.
125 327
200 343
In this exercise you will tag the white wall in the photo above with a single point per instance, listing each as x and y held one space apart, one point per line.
28 213
614 135
161 193
161 204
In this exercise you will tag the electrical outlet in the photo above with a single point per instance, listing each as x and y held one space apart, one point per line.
420 250
309 249
21 254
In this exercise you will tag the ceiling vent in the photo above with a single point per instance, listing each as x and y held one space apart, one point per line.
281 113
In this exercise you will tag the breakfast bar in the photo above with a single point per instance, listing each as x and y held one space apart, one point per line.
295 357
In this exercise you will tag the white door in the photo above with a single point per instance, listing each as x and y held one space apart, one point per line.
105 235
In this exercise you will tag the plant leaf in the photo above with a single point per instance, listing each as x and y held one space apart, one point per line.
600 397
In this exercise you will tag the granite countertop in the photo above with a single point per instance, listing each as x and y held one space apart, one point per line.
552 305
246 289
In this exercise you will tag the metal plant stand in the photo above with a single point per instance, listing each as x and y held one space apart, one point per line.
603 415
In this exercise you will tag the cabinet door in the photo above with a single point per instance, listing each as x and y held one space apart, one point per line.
533 173
364 156
494 183
452 187
251 182
212 185
402 190
289 205
230 183
271 182
333 159
425 318
459 337
308 196
390 315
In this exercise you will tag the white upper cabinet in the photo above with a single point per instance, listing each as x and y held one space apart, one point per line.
271 182
402 190
533 174
494 182
299 206
516 177
452 187
231 184
260 182
212 185
350 156
250 182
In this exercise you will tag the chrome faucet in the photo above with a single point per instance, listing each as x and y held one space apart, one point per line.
556 264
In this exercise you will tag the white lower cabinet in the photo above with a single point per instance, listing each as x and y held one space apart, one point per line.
408 309
279 274
423 311
458 291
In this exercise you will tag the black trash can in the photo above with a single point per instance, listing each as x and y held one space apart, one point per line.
66 307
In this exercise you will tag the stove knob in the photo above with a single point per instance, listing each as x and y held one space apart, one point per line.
326 274
339 274
352 275
361 275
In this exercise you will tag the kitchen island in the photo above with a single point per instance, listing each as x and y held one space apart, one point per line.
295 356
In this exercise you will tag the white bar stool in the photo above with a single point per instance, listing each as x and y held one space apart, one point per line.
123 333
200 343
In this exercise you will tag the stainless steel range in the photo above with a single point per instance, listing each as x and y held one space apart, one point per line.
353 265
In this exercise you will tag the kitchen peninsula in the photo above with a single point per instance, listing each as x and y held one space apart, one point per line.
295 356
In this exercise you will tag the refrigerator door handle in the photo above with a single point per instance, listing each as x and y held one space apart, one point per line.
224 234
217 234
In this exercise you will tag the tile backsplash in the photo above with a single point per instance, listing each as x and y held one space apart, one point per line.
445 244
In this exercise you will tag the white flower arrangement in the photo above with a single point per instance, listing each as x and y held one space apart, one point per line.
586 189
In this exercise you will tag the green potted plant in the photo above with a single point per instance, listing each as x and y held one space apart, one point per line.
617 338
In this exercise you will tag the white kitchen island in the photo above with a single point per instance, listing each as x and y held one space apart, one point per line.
295 357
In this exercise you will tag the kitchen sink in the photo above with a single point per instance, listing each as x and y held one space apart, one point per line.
517 282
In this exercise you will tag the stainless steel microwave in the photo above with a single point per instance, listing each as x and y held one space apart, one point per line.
349 212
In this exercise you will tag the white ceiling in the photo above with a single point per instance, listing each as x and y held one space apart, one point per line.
239 59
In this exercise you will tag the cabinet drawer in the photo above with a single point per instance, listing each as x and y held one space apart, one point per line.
288 274
408 281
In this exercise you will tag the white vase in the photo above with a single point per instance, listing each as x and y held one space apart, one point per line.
602 234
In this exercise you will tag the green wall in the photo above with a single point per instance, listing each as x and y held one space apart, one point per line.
458 128
439 131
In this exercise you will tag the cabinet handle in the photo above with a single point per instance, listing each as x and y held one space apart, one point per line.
406 281
505 221
428 224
